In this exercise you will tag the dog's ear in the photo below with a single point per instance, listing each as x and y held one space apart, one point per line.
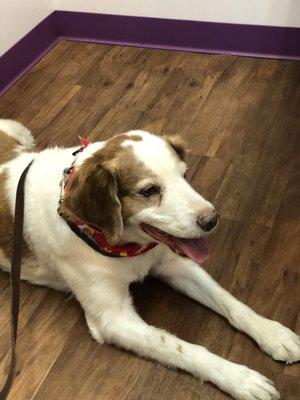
93 197
178 144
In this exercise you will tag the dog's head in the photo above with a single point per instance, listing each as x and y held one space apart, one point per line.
134 185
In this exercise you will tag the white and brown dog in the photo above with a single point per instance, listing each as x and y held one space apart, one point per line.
127 196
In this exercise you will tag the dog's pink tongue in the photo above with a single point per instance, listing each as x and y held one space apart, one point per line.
195 249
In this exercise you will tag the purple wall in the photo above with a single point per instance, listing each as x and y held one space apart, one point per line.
212 37
20 58
208 37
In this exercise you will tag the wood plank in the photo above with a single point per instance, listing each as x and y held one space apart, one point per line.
256 180
40 344
276 290
67 65
221 106
31 297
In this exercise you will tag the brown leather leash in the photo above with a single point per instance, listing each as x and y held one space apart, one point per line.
15 280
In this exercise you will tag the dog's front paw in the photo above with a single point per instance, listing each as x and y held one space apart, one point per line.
279 342
246 384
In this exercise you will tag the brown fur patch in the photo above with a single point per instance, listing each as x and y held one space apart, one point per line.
104 190
6 223
179 348
115 142
93 198
130 171
178 145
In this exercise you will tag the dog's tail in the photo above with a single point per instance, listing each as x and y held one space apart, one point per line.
17 131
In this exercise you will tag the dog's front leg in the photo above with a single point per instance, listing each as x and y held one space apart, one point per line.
112 319
185 275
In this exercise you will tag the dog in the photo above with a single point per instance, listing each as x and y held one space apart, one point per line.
109 213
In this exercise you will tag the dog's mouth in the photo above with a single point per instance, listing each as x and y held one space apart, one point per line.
195 249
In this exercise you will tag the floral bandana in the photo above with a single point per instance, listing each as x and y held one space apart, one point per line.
91 235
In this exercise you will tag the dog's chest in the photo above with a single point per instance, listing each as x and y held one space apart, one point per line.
140 268
134 268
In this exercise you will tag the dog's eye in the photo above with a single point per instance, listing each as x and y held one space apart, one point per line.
149 191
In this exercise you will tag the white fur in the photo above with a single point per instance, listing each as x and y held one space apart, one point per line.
101 283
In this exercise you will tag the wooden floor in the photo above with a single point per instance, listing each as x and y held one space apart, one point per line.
241 118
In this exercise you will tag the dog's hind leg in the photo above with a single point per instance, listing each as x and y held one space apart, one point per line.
186 276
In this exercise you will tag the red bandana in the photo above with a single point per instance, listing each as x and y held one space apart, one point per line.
91 235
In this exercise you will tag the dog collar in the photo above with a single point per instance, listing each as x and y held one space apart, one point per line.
92 235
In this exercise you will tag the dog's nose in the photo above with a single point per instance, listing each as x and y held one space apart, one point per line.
207 222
